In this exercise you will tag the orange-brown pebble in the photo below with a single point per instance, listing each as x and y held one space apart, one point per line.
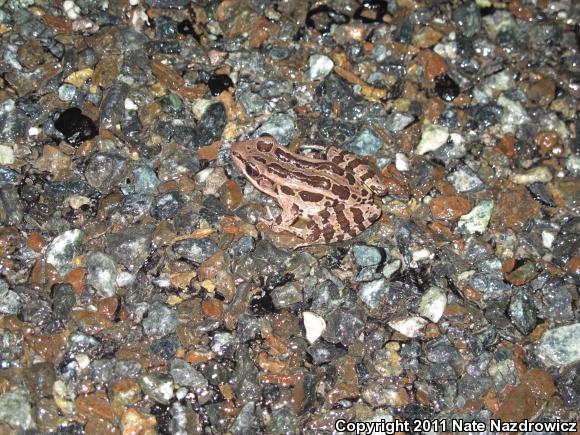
573 265
49 347
212 308
198 357
135 422
36 242
209 152
98 426
107 307
433 64
506 145
432 330
227 392
449 208
547 141
76 278
125 392
95 405
231 194
43 275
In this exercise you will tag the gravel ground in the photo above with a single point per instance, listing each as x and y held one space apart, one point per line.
140 294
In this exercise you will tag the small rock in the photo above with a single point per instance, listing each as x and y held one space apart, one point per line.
6 155
410 327
186 375
63 249
374 293
449 208
398 121
539 174
434 137
102 273
286 296
15 410
75 126
63 300
320 67
314 326
365 143
130 246
9 300
367 255
158 387
196 250
433 303
161 320
281 127
477 219
522 312
465 180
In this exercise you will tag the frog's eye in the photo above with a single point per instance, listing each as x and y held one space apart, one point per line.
251 170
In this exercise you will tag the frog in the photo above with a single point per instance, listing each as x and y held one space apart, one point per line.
322 200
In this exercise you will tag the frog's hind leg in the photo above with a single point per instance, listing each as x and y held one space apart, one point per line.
339 223
360 168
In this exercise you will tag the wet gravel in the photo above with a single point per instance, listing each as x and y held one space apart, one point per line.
139 292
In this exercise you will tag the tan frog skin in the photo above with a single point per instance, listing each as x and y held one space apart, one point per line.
322 201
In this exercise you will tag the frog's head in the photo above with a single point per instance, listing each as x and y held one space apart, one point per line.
251 157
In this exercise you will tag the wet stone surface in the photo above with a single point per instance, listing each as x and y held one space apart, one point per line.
141 288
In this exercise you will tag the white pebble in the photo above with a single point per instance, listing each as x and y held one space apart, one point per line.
83 360
130 104
314 326
539 174
33 131
401 162
410 327
548 239
434 137
71 9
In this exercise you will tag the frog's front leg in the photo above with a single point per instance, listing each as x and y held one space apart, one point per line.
286 218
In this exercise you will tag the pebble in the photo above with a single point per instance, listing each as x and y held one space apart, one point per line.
101 273
365 143
75 126
540 174
433 138
314 325
15 410
63 249
433 303
409 327
320 67
161 320
280 127
559 346
477 219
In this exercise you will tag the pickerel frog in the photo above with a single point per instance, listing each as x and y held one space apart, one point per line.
322 201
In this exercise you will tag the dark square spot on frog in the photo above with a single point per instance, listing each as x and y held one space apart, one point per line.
286 190
357 216
264 147
311 196
342 192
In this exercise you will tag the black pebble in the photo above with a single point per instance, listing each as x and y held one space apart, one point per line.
219 83
446 88
75 126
